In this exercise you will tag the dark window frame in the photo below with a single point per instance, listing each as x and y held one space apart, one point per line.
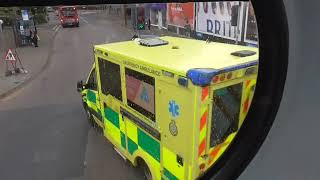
111 83
95 80
147 79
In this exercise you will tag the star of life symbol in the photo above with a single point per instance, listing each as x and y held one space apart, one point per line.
174 108
144 95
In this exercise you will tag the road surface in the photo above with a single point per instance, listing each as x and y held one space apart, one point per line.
43 128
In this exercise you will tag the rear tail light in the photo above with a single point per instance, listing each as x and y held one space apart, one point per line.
215 79
202 166
222 77
229 76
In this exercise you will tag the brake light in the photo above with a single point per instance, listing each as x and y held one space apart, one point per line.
222 77
202 166
215 79
229 76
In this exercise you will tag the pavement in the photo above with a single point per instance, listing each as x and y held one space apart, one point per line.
33 60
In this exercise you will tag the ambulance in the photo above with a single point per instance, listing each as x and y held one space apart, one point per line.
169 105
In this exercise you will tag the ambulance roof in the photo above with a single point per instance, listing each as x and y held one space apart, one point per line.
189 55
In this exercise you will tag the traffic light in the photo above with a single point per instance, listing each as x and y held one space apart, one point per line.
141 26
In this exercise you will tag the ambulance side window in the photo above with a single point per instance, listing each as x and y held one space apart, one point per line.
110 78
140 93
92 82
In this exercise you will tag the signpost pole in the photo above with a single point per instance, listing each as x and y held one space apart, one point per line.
238 22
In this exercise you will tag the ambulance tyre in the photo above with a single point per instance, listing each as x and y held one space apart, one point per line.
145 169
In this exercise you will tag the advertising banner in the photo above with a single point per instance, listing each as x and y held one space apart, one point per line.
251 30
180 14
214 18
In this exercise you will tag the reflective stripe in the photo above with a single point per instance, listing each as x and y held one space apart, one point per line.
149 145
205 93
246 105
203 130
92 96
132 146
170 165
203 135
112 116
202 147
152 131
247 83
169 175
113 131
203 120
132 131
123 140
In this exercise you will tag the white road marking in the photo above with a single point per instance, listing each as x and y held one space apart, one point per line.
83 19
89 12
58 28
54 28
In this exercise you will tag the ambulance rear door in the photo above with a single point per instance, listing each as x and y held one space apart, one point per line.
174 110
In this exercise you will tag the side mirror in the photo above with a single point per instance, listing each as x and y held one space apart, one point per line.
79 86
234 15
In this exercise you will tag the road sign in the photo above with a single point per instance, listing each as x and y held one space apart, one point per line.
9 56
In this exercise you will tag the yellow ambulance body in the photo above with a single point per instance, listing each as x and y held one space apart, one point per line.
170 104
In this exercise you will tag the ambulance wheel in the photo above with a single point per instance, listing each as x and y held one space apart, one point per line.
145 169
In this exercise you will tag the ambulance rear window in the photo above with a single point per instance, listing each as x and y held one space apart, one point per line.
225 113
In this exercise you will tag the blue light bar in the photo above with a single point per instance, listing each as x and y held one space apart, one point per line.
201 77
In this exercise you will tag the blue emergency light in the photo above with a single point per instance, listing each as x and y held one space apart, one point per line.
201 77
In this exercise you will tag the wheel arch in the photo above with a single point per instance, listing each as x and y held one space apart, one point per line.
139 156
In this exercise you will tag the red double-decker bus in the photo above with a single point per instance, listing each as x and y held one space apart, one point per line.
68 16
